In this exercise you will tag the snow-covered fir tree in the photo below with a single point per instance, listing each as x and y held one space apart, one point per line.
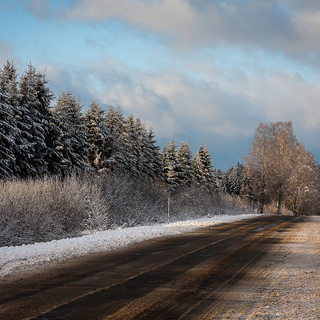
169 166
203 168
217 176
7 134
145 154
31 159
9 86
98 137
154 162
116 128
185 164
53 156
73 138
234 179
131 146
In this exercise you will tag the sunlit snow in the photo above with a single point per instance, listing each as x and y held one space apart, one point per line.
28 257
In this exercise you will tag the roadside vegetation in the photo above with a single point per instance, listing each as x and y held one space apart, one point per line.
50 208
64 171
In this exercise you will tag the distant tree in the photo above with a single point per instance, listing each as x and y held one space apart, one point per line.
154 159
185 164
169 166
217 176
132 148
203 168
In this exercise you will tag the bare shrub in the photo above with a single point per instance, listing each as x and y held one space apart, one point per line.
41 210
197 201
131 202
51 208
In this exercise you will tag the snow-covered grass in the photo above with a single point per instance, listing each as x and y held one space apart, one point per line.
16 259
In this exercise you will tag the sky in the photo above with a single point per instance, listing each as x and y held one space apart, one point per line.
195 70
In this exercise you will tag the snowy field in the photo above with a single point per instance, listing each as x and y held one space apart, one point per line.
25 258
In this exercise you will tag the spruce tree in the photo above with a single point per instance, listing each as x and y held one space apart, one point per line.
31 159
203 168
9 87
131 147
7 134
185 164
98 137
117 152
72 139
53 156
169 166
154 160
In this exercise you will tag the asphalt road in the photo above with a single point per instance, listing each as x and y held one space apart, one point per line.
191 276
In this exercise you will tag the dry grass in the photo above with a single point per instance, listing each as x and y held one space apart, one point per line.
42 210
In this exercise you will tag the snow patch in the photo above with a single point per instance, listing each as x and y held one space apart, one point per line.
32 256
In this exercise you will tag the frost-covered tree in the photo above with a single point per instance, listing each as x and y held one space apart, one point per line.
185 164
53 156
147 149
73 138
9 87
9 84
116 128
203 168
154 159
131 147
33 127
98 137
7 134
169 165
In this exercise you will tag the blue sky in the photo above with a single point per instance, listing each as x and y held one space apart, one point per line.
197 70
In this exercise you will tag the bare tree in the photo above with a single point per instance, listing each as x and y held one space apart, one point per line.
279 170
257 170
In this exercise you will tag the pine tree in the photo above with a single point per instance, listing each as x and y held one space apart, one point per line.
98 137
154 162
131 147
7 133
117 152
72 139
203 168
53 156
145 155
169 166
185 164
9 87
31 158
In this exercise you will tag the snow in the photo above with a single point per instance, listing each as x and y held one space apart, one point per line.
33 256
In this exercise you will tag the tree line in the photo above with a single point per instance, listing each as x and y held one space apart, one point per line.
40 136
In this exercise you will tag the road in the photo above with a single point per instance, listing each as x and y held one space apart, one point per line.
213 273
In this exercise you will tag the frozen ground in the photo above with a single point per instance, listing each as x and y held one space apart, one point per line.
24 258
290 281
